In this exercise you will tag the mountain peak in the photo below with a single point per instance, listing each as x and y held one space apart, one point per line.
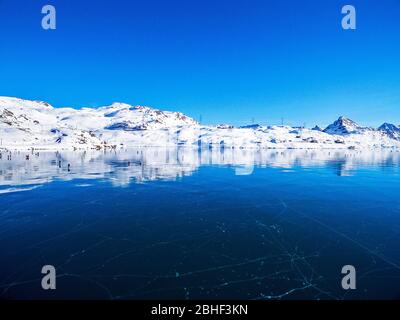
317 128
388 127
342 125
347 121
391 130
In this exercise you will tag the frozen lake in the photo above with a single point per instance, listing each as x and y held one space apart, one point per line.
190 224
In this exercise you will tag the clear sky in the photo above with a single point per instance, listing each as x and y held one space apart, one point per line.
228 60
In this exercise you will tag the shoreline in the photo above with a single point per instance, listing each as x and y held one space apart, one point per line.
210 147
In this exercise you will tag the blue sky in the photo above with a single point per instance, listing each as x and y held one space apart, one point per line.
227 60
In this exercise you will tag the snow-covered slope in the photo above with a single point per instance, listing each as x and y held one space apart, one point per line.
35 124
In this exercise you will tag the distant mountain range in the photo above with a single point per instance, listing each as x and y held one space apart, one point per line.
26 124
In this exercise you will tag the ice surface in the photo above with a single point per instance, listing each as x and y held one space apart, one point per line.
186 223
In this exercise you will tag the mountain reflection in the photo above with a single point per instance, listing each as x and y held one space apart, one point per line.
30 169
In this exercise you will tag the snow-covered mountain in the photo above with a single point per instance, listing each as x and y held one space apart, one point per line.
317 128
343 126
391 130
26 124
